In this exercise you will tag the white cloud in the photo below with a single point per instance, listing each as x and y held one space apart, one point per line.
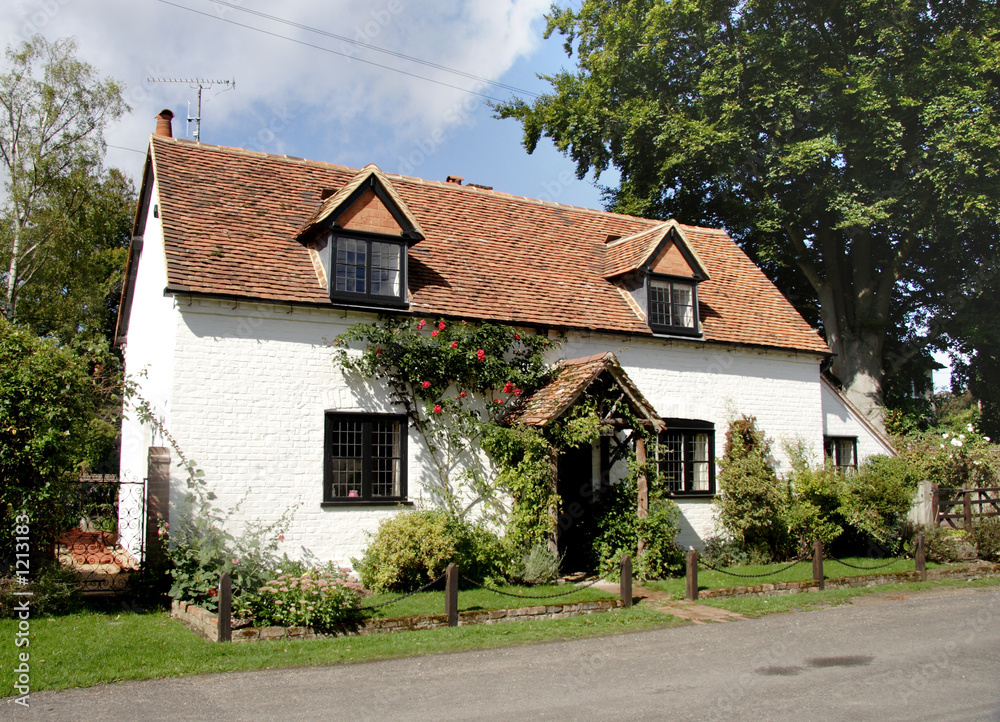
289 97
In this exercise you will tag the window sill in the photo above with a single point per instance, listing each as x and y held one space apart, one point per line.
366 502
692 495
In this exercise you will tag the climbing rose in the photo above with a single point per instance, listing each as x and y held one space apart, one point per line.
508 387
462 394
480 354
421 323
441 325
517 337
434 333
499 401
454 344
437 408
426 384
378 351
517 392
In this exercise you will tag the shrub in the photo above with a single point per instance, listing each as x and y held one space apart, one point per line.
619 530
538 566
944 544
814 506
324 600
876 500
985 535
54 590
753 504
414 547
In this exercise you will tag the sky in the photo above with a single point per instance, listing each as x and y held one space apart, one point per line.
325 98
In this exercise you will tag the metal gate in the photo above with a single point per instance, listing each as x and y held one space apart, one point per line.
108 544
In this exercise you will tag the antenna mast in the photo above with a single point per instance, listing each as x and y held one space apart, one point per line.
200 84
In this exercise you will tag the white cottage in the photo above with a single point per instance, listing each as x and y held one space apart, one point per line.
244 266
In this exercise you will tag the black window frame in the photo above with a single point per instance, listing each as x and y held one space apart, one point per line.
694 330
831 452
688 429
365 498
334 237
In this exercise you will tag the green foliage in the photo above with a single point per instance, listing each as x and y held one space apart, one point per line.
50 429
53 588
455 380
985 535
414 547
753 502
814 509
620 528
849 147
876 500
539 566
324 600
525 461
953 458
944 544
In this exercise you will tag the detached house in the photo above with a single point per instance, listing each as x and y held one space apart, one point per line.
244 266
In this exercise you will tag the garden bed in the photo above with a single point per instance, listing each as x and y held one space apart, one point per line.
206 623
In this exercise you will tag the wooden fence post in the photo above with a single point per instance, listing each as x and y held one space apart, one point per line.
625 581
920 557
451 594
691 588
225 608
967 496
818 564
935 505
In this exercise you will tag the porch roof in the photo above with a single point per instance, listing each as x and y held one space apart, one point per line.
575 376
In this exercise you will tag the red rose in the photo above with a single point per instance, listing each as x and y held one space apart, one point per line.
454 344
480 354
517 337
213 592
426 384
462 394
508 387
434 333
441 325
437 408
421 323
517 392
498 401
378 351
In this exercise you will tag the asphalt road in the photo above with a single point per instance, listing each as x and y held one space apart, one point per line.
929 656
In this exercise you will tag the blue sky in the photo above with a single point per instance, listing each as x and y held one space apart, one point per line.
294 99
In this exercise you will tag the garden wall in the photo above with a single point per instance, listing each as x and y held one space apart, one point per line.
206 623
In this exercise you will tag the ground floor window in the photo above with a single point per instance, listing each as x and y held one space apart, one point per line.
365 458
841 451
686 456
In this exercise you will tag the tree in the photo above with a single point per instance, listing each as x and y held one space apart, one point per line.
849 147
51 429
53 112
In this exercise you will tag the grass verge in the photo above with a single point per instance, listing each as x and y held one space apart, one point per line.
759 606
801 572
89 648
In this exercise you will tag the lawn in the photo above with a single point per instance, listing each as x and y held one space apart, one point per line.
801 572
89 648
476 599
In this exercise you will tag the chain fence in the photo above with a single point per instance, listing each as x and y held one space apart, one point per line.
401 597
755 576
576 588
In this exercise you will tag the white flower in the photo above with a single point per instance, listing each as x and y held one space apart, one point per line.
962 437
942 446
987 438
956 442
976 462
944 435
969 428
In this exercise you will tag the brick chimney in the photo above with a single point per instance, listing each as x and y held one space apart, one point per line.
163 126
456 179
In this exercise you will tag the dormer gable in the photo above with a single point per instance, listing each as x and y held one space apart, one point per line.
359 239
660 270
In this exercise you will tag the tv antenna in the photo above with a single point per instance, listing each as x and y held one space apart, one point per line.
200 84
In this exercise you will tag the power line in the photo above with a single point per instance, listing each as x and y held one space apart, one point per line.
122 147
376 48
333 52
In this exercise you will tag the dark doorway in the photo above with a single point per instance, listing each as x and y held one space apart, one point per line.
576 517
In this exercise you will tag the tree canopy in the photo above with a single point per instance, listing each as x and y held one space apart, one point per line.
53 112
849 147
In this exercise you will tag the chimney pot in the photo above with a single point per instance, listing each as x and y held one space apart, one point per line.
163 126
456 179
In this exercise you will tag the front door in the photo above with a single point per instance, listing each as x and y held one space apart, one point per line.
576 492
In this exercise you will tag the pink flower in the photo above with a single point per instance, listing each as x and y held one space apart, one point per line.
281 537
437 408
441 325
421 323
498 401
462 394
454 344
480 354
434 333
426 384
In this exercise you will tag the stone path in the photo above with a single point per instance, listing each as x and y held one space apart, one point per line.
664 602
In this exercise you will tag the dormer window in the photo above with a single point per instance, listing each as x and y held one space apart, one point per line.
367 269
672 305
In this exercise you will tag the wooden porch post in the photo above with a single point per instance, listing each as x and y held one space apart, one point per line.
554 510
643 484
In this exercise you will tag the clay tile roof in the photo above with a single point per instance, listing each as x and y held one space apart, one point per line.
571 379
231 219
336 202
632 253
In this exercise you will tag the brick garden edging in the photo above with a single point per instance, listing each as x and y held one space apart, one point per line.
205 623
870 580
